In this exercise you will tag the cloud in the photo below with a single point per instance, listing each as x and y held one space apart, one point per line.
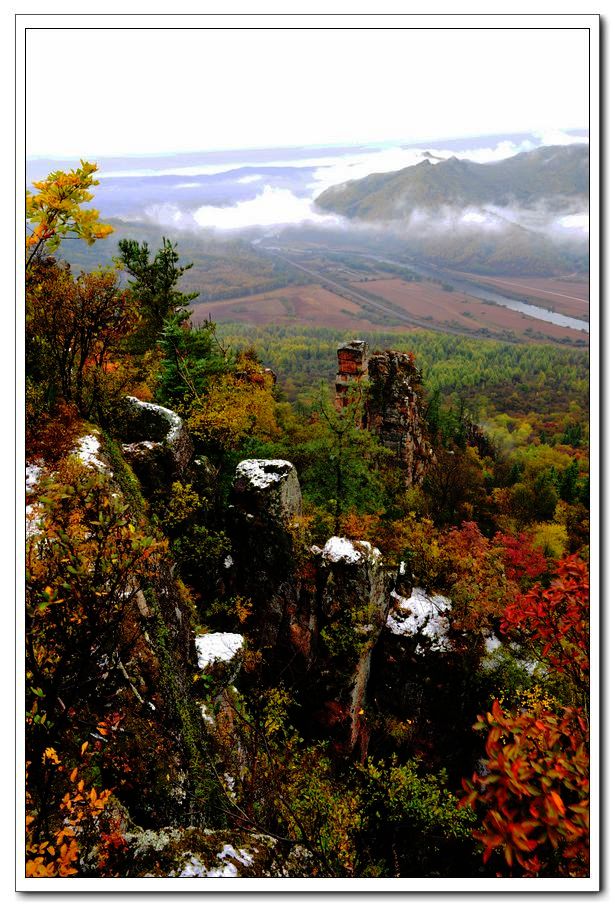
274 206
169 215
553 137
213 169
246 180
279 206
575 222
570 227
349 167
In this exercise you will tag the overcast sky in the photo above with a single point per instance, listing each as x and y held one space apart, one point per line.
175 90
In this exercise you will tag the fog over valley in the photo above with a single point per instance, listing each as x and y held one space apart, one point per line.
237 190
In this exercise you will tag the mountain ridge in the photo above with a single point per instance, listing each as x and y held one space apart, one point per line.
550 176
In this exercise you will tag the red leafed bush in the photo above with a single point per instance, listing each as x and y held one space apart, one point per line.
523 563
556 621
534 791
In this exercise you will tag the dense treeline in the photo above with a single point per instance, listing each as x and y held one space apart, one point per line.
503 377
500 525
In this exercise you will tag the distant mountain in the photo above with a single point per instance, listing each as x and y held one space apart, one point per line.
550 178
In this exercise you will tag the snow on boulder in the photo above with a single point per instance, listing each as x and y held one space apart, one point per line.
218 648
340 549
267 487
154 438
153 422
261 474
421 615
87 449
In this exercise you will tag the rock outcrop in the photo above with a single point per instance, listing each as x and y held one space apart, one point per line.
352 601
266 500
191 852
154 441
393 407
317 614
395 411
267 488
352 367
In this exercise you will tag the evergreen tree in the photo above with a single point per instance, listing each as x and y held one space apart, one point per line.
154 285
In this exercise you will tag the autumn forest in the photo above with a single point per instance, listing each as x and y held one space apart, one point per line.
303 599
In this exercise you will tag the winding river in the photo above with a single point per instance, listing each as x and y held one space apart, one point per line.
485 293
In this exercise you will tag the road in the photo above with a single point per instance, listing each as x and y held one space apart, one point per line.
378 303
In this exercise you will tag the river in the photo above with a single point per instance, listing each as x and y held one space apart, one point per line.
485 293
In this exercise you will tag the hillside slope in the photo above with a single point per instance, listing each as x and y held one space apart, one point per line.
550 176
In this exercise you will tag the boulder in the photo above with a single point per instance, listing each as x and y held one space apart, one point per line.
262 565
154 441
190 852
353 598
267 488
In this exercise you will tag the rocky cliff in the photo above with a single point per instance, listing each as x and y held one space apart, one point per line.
388 384
317 612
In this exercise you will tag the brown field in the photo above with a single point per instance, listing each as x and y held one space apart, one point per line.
313 305
309 305
427 300
564 295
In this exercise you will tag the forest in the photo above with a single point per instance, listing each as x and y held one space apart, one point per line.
283 623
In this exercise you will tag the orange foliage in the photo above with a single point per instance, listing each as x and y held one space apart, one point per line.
79 812
535 790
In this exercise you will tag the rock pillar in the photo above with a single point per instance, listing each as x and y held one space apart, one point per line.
352 367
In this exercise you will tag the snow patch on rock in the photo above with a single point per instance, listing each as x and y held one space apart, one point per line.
421 614
194 868
372 552
228 869
87 449
261 474
34 471
229 852
212 647
339 549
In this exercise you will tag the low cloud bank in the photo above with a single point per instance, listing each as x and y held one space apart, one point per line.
272 203
274 206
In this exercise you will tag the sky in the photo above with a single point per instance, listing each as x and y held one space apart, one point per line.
138 91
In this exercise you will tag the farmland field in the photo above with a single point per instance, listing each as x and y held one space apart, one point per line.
427 300
294 305
569 295
384 303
